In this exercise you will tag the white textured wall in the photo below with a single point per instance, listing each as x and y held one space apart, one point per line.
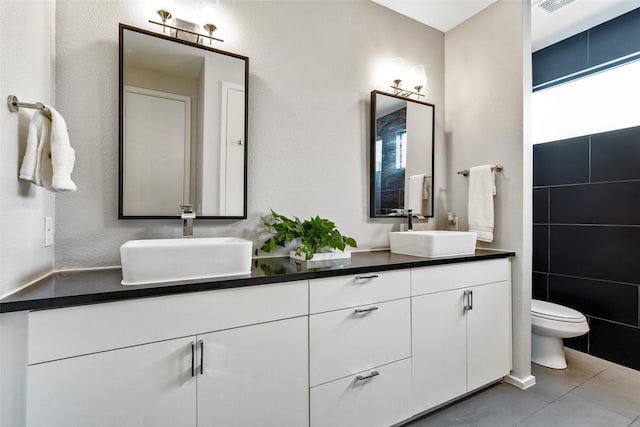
27 70
488 81
312 67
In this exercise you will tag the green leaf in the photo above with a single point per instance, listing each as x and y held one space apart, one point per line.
315 234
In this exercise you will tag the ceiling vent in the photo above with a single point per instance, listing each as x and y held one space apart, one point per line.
551 6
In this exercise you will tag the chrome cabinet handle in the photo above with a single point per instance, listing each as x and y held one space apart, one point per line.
468 300
193 359
372 276
201 342
366 377
365 310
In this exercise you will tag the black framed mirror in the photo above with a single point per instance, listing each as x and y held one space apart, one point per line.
183 128
401 165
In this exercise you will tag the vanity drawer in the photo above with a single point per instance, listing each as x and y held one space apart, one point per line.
73 331
439 278
335 293
347 341
381 400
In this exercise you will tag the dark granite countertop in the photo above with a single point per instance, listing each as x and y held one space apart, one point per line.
69 288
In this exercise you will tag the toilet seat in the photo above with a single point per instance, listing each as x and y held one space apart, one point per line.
559 313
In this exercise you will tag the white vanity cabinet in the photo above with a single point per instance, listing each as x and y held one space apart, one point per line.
360 349
372 349
252 369
461 335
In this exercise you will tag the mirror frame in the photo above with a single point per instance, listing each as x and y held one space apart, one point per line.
372 154
122 28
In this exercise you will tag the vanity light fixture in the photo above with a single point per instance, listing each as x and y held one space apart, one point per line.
405 93
416 78
166 15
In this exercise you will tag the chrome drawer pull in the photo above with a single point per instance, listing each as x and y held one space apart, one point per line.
201 357
372 276
366 377
468 300
365 310
193 359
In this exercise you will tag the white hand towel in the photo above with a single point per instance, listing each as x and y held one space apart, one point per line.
49 158
38 135
63 156
427 187
416 192
481 192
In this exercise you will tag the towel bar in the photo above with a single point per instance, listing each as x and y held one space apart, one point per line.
14 105
497 168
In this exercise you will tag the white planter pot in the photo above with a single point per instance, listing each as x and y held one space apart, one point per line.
321 256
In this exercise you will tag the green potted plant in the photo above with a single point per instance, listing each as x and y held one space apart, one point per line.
315 237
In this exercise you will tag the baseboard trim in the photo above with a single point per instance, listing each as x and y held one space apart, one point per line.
521 383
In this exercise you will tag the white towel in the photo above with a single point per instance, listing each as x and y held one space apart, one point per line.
427 187
38 136
49 158
481 192
416 193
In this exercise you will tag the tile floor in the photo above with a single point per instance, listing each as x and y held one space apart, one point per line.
590 392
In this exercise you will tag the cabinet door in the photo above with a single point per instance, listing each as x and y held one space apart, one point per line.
147 385
255 376
439 349
489 334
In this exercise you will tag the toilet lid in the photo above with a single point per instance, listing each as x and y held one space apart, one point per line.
548 310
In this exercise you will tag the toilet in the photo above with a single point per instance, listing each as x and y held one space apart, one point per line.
550 323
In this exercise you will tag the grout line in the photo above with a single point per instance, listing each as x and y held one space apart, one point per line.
577 184
633 421
615 322
589 278
548 237
590 159
548 205
548 290
549 248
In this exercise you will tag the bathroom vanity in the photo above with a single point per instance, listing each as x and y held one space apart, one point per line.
372 343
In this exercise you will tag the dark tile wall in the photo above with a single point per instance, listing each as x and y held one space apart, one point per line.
609 44
586 237
390 180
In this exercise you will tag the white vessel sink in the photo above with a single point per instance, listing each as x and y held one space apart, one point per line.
169 260
432 243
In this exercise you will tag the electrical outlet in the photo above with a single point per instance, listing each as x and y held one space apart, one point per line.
48 231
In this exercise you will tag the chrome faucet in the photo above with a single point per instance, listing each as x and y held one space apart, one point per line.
188 215
410 216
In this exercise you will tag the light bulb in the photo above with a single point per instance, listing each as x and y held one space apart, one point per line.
418 78
397 71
